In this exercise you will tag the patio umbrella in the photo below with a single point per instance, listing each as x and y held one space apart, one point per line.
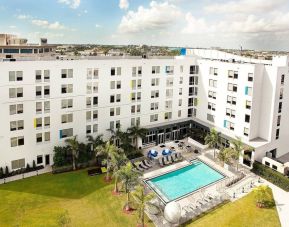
166 152
153 153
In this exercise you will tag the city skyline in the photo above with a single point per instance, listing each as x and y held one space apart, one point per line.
228 24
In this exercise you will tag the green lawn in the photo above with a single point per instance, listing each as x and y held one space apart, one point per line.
38 201
242 213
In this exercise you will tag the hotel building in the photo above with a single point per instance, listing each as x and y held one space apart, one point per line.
45 100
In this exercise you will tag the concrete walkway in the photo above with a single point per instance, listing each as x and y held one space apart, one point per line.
282 203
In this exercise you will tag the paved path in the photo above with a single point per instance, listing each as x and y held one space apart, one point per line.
282 203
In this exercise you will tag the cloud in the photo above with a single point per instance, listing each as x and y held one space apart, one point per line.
12 27
74 4
123 4
272 23
158 16
24 17
45 24
97 25
244 6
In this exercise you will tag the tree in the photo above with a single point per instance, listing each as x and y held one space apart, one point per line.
262 196
74 149
95 141
238 146
109 151
137 132
212 139
129 178
142 200
225 155
117 160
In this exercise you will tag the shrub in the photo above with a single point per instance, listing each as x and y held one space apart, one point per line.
1 173
34 165
60 157
6 171
27 167
270 175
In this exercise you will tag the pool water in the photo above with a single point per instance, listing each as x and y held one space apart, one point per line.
186 180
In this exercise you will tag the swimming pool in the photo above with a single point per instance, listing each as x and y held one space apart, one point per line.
186 180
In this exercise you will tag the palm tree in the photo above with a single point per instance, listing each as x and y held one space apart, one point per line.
262 195
142 200
115 134
95 141
129 177
117 160
126 143
73 146
238 146
137 132
213 139
109 150
225 155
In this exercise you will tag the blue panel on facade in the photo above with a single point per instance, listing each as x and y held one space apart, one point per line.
60 134
246 90
225 123
183 51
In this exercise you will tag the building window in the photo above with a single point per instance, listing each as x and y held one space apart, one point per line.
66 73
247 118
231 100
64 133
210 117
192 112
229 125
66 103
280 107
248 104
66 88
38 137
246 131
213 71
250 77
154 106
18 164
277 133
230 113
181 80
155 82
168 115
194 69
180 102
16 125
39 159
16 109
281 93
233 74
193 80
282 79
17 141
213 83
154 118
232 87
279 120
46 121
156 69
66 118
212 94
115 71
211 106
38 122
155 94
170 82
15 76
46 136
136 71
248 91
169 70
16 92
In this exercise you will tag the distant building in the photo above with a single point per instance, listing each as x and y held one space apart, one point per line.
12 47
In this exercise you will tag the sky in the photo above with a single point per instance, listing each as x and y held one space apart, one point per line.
252 24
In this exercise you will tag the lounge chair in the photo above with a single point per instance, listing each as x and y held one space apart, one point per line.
170 157
166 160
161 162
180 157
175 157
137 167
147 163
143 166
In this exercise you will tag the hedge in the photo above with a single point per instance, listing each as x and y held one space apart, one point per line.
270 175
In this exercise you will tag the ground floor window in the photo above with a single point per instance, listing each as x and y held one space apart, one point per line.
17 164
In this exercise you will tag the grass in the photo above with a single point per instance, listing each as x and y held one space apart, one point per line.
39 201
242 212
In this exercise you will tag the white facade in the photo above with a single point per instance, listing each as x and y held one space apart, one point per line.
154 91
86 79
